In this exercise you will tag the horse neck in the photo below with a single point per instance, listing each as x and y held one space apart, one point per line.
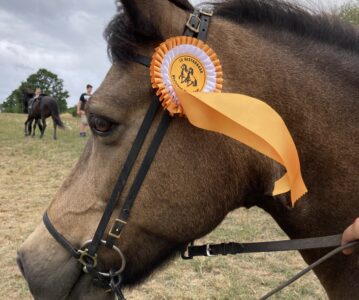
310 86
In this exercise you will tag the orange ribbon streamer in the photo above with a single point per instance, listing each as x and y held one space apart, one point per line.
251 122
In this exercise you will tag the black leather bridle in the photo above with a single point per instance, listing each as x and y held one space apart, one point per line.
196 26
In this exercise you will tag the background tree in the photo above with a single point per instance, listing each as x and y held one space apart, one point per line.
13 103
50 85
350 12
72 110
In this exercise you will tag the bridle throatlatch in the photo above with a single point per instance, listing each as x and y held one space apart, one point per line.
196 30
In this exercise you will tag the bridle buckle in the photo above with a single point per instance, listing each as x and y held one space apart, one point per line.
208 13
193 27
115 230
208 250
83 259
185 252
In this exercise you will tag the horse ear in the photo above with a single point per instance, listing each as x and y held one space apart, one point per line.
166 16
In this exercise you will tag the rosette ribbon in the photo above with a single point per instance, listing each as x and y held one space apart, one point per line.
188 78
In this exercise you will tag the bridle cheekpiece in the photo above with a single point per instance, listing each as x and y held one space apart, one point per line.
86 255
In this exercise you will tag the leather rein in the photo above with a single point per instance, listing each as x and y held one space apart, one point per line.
196 26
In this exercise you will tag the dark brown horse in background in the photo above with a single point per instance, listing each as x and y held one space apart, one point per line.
41 110
303 65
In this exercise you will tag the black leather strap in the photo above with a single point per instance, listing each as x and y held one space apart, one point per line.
203 28
115 285
309 268
59 237
192 25
145 166
287 245
200 20
142 60
122 179
198 23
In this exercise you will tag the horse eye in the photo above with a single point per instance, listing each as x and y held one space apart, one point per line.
100 125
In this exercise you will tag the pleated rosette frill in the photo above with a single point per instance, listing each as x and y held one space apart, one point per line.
166 74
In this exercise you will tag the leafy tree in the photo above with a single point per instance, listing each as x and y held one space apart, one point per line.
350 12
50 85
13 103
73 111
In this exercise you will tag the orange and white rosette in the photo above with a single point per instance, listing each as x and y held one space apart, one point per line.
184 63
188 77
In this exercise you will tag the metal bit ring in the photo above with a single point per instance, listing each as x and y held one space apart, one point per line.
118 251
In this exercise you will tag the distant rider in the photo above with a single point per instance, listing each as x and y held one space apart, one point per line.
37 97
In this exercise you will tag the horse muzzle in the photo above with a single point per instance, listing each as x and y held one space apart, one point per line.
49 270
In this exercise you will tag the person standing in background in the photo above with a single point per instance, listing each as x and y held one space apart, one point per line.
81 109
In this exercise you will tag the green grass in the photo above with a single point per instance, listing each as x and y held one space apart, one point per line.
31 170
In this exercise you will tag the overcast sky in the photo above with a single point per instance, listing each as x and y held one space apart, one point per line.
63 36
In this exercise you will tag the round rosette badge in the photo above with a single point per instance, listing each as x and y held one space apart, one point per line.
184 63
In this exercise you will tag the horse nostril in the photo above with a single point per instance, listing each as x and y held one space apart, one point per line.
19 263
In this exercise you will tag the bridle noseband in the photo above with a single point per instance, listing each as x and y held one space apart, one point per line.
196 26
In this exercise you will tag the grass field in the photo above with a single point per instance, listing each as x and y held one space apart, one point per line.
31 170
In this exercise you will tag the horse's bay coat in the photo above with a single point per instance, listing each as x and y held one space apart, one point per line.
305 67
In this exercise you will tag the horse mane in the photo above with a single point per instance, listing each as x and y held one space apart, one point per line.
184 4
281 15
123 37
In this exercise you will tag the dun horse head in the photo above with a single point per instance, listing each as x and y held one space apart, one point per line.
298 63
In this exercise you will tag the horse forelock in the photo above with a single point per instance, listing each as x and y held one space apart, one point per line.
124 37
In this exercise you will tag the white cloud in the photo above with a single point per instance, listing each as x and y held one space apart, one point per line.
30 56
65 41
80 20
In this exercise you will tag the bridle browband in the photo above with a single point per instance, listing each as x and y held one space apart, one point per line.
196 26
